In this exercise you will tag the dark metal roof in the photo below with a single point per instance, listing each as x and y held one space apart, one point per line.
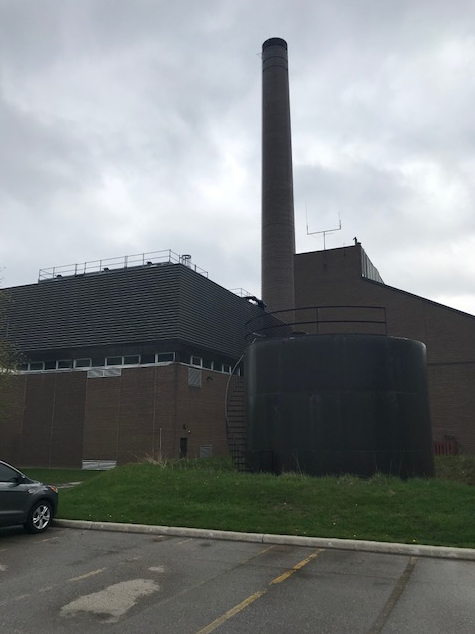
134 305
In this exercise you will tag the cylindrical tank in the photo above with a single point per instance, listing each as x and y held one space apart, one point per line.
334 404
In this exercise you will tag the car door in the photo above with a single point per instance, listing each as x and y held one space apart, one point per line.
14 496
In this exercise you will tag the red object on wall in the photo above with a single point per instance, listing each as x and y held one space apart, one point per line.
445 447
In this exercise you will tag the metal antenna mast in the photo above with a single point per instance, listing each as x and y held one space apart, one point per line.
325 231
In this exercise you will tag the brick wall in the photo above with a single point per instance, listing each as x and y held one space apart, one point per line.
101 418
202 410
11 417
57 419
333 277
146 411
45 423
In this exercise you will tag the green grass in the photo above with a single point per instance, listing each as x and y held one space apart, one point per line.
59 476
210 494
457 468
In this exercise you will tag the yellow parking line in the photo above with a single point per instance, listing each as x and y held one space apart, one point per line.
232 612
294 569
257 595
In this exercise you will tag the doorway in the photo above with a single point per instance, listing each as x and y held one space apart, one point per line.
183 447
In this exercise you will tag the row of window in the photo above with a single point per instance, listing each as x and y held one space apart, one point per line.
69 364
199 362
133 359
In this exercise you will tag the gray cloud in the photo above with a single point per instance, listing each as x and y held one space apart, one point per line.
130 127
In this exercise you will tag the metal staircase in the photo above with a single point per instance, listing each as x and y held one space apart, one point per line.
236 422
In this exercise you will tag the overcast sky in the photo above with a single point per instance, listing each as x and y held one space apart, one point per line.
130 126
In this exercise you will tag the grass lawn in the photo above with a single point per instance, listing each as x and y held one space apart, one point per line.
208 493
59 476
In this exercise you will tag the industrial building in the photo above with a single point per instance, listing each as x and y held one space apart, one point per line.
123 359
339 292
140 356
346 277
137 361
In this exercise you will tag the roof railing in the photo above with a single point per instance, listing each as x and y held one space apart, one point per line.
152 258
318 320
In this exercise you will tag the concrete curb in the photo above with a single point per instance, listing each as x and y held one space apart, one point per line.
413 550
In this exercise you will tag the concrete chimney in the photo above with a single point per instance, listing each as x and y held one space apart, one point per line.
278 231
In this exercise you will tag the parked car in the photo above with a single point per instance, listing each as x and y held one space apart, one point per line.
25 501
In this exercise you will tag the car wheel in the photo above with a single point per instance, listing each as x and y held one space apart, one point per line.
39 518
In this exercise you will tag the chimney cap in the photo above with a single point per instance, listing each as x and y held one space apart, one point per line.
274 41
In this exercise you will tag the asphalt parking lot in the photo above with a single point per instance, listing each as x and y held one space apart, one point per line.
70 580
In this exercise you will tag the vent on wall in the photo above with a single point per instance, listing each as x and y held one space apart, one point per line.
194 377
97 373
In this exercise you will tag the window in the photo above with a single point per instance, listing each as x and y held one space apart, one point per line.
83 363
7 475
164 357
35 366
114 361
198 361
208 364
226 368
100 362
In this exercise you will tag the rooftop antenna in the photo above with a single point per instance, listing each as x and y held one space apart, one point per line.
325 231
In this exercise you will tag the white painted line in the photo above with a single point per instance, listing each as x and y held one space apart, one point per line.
18 597
88 574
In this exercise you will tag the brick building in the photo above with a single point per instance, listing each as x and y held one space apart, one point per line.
346 277
126 359
137 360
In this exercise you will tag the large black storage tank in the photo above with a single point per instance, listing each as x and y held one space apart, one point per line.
333 404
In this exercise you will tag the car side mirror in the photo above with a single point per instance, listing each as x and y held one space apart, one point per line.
20 479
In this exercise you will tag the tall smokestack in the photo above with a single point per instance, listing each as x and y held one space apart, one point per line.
278 232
